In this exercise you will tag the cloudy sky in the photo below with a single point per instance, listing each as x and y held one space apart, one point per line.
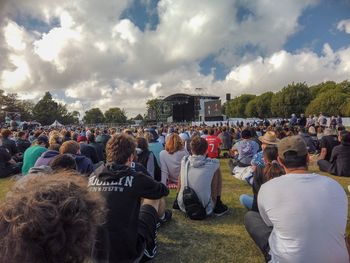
105 53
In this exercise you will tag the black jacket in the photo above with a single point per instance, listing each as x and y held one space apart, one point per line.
10 145
123 188
340 160
22 145
89 151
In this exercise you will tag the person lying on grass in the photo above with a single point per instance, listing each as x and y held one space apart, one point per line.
50 218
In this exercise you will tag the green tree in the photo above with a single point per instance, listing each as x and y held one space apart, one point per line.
260 106
291 99
236 107
331 102
46 111
115 115
94 115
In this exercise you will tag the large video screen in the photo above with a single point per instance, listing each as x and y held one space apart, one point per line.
212 108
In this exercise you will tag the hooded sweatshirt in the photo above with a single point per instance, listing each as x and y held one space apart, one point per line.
123 189
46 158
201 171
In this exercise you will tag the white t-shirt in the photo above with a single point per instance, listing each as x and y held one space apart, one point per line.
308 213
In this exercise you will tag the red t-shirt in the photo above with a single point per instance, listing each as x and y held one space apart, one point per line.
213 146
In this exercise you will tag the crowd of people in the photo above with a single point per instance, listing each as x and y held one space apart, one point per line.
99 194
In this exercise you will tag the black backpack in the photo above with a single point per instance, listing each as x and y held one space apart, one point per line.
193 206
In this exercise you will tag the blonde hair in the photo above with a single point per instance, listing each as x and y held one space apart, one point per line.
174 144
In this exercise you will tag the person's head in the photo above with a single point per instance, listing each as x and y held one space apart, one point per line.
82 139
174 143
6 133
91 137
269 138
54 147
22 135
54 138
246 134
199 146
293 153
345 137
120 149
63 161
71 147
43 141
142 144
211 131
50 218
149 137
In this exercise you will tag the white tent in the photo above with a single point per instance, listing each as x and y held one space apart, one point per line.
56 124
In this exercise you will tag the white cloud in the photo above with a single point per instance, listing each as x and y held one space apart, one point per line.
95 59
344 25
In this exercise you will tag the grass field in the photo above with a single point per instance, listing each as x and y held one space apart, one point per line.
217 239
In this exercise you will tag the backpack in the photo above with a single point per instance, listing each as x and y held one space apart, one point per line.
193 206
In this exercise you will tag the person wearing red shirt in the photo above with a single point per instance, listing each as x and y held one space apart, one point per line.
214 143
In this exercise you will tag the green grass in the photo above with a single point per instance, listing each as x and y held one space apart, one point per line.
216 239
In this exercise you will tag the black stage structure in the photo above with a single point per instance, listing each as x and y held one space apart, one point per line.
181 107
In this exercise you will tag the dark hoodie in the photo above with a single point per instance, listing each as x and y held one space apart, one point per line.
123 189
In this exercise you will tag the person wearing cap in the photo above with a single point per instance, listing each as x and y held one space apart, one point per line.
302 216
328 141
32 154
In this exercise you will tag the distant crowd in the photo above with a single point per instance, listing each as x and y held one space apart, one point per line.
99 194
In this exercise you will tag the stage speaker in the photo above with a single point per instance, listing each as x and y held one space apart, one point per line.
228 96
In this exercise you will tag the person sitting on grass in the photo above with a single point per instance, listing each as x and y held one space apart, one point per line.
129 234
33 153
84 164
261 175
50 218
302 215
204 177
328 142
339 163
244 150
8 166
170 160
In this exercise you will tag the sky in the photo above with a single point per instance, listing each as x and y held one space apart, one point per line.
121 53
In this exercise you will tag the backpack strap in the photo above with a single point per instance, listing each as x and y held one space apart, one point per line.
187 164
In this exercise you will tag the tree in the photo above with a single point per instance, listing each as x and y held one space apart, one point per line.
94 115
291 99
236 107
260 106
330 103
115 115
46 111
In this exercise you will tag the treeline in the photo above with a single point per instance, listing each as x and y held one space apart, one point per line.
46 111
329 97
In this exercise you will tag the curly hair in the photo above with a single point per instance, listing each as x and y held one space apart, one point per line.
174 144
50 218
119 148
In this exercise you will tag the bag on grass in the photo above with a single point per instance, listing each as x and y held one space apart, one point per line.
193 206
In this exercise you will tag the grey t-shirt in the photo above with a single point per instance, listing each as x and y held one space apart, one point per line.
308 213
201 171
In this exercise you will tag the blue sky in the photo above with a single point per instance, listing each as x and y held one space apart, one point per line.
102 53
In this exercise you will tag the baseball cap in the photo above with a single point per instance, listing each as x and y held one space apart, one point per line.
292 143
81 138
